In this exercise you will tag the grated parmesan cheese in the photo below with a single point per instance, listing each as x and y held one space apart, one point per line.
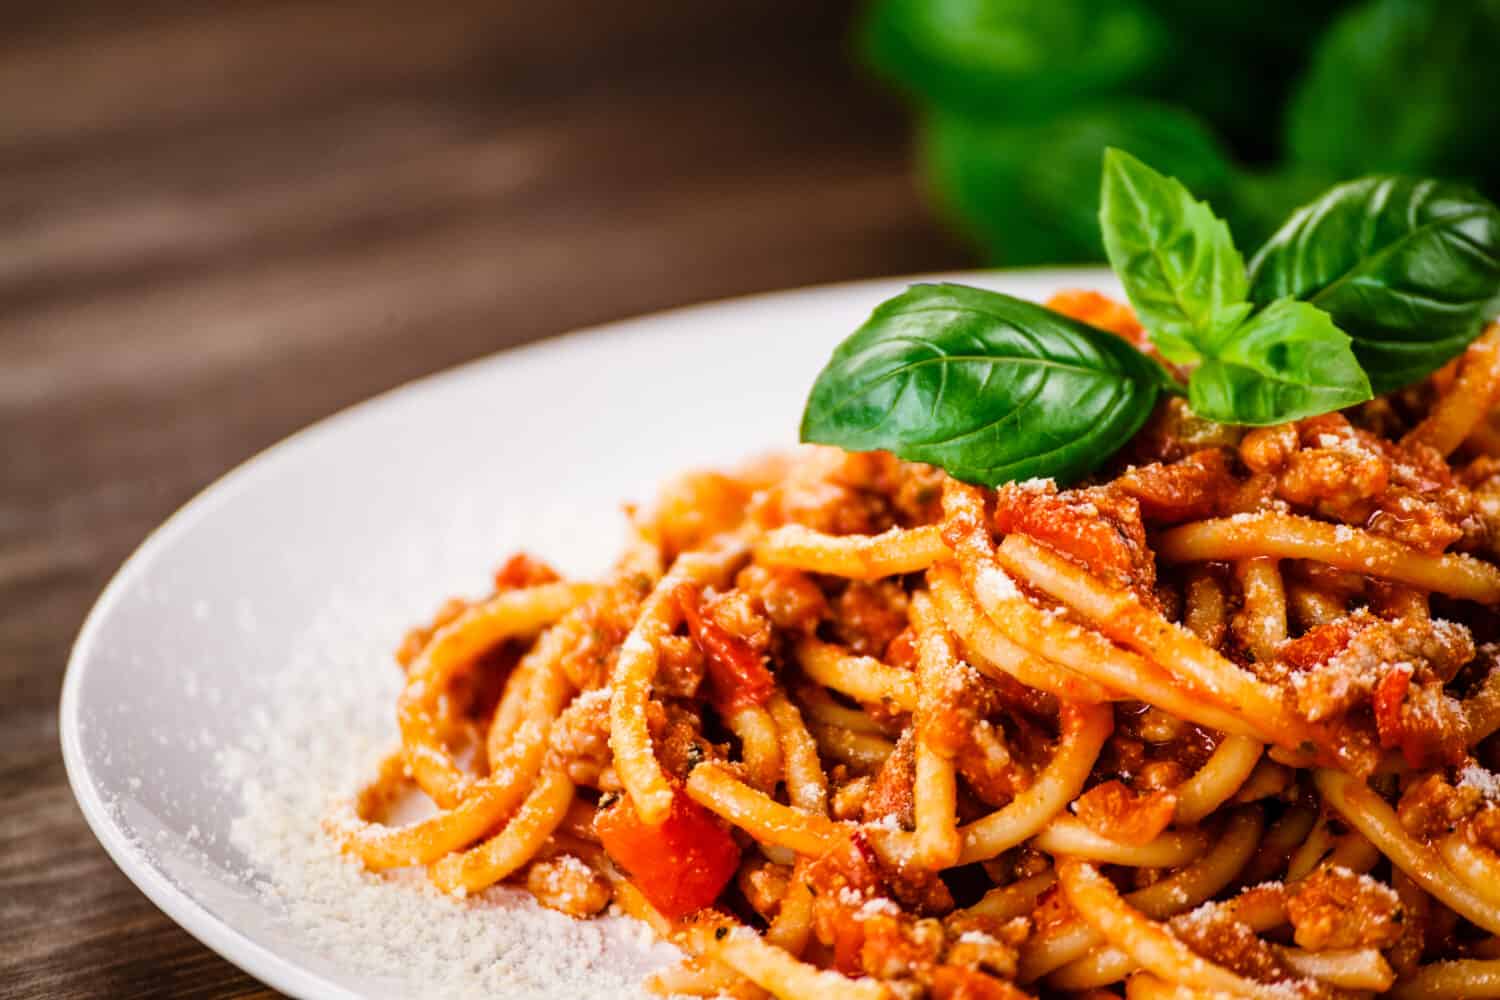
331 717
1486 783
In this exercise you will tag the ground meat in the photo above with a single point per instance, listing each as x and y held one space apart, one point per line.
1268 449
1175 432
1403 491
1482 478
896 947
579 739
1397 668
1151 751
1484 828
978 941
1112 810
956 982
912 491
566 884
1336 908
848 493
763 884
677 734
1195 487
809 495
1432 807
848 801
788 597
1217 936
869 614
1099 528
737 612
850 885
1428 727
607 619
891 793
987 765
680 666
1333 667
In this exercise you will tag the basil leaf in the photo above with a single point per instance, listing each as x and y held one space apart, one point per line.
1012 58
987 386
1175 258
1409 268
1401 86
1286 362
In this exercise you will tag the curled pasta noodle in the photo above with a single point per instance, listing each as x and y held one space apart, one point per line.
515 845
1462 408
773 968
1120 615
1218 780
806 784
858 557
1263 621
862 678
634 670
1067 835
935 785
1461 979
1070 944
765 819
1291 536
507 615
1084 729
989 648
1148 944
1369 814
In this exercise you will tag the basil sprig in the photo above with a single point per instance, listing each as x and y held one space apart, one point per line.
995 389
992 388
1175 258
1187 281
1409 268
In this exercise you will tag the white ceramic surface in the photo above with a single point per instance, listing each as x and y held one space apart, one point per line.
401 501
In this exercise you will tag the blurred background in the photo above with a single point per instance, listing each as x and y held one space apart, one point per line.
1257 107
222 221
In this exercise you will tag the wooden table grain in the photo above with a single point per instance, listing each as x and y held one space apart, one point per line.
222 221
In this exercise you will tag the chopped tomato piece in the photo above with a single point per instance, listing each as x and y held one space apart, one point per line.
1390 692
680 866
1101 312
522 570
737 675
954 982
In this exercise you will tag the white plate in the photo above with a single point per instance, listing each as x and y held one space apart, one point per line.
276 596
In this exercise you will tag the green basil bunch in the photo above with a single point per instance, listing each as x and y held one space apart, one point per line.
1256 106
1372 285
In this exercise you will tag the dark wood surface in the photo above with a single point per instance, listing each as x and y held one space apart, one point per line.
222 221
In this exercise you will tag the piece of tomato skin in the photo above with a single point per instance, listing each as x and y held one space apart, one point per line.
680 866
737 675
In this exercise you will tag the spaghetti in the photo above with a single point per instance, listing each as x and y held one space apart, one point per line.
1221 724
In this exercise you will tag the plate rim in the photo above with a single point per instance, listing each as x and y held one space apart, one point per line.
180 907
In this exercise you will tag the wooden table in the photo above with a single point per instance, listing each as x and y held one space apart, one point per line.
222 221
